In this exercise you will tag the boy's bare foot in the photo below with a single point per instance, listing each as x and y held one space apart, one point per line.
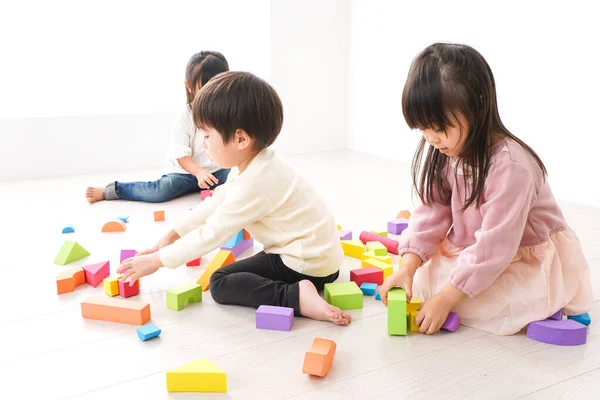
314 306
94 194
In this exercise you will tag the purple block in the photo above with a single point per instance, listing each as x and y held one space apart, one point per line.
243 246
452 322
125 254
565 332
345 235
557 316
397 226
275 318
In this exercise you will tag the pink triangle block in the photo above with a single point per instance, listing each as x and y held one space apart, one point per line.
95 273
565 332
452 322
125 254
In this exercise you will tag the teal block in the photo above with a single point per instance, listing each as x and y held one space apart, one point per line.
148 332
368 289
378 297
581 318
235 239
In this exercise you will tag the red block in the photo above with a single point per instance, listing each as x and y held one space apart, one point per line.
369 275
95 273
390 244
127 291
205 193
194 263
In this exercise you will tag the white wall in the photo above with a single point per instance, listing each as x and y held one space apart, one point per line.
545 61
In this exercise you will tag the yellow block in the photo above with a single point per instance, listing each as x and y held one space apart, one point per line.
111 285
353 248
222 259
371 254
380 233
198 376
412 326
387 269
339 227
414 305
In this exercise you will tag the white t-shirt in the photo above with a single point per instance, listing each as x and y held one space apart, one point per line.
186 140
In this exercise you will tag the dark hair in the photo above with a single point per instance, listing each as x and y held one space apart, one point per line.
239 100
201 68
446 80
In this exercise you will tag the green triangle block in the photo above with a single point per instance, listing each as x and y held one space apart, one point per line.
71 251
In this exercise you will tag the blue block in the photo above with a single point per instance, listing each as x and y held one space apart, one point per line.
235 239
148 332
581 318
378 297
124 218
68 229
368 289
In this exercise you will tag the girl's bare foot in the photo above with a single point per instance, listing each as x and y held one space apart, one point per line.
314 306
94 194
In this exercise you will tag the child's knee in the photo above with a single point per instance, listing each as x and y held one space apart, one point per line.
216 290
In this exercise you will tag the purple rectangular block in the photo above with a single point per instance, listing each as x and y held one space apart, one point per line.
275 318
243 246
452 322
397 226
345 235
125 254
557 316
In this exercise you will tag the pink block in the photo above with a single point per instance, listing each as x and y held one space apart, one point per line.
127 291
345 235
368 275
390 244
125 254
95 273
242 247
565 332
452 322
205 193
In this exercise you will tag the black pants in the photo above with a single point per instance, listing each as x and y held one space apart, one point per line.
262 279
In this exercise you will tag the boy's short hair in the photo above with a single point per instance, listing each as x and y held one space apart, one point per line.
239 100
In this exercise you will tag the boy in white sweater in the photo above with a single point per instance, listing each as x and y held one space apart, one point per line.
241 116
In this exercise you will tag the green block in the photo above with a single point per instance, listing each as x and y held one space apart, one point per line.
396 309
383 233
378 248
179 296
344 295
70 251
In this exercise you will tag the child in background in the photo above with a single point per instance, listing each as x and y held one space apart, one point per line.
489 241
189 168
241 116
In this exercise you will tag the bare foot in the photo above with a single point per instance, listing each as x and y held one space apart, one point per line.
94 194
314 306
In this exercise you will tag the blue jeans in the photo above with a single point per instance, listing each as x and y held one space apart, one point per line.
164 189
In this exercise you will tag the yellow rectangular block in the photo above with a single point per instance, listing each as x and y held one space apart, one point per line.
383 233
414 305
339 227
387 269
412 326
371 254
111 285
198 376
353 248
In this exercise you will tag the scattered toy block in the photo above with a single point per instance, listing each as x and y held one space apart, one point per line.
95 273
397 226
275 318
566 332
411 319
235 239
557 316
125 254
380 233
581 318
344 295
403 214
115 310
390 244
377 248
452 322
353 248
345 234
127 291
111 285
240 248
368 289
222 259
247 235
70 252
114 226
318 360
198 376
159 215
194 263
204 194
370 254
123 218
178 297
378 297
68 229
148 331
385 267
414 305
369 275
69 279
396 310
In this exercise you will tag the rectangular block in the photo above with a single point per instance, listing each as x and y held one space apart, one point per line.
414 305
178 297
368 289
345 234
378 248
115 310
371 254
353 248
275 318
369 274
390 244
95 273
240 248
318 360
397 226
127 291
380 233
147 332
396 310
159 215
222 259
125 254
385 267
111 285
198 376
69 279
412 325
344 295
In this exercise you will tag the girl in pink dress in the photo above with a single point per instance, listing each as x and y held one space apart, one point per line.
489 240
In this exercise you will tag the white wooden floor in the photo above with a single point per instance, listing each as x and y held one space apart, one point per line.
47 351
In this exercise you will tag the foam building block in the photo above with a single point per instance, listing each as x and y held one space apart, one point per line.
410 319
339 227
452 322
557 316
318 360
70 252
127 291
235 239
147 332
344 295
198 376
114 226
159 215
111 285
125 254
566 332
95 273
181 295
369 275
353 248
275 318
369 254
377 248
345 234
380 233
247 235
69 279
378 296
581 318
206 193
414 305
368 289
114 309
403 214
390 244
194 263
385 267
222 259
240 248
396 311
123 218
397 226
68 229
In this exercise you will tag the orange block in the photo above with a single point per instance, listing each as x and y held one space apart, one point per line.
319 358
69 279
114 226
403 214
159 215
222 259
113 309
247 235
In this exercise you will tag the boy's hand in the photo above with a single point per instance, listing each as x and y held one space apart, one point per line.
206 179
433 312
139 266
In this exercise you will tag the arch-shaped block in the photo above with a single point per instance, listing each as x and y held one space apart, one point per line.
566 332
318 360
69 279
114 226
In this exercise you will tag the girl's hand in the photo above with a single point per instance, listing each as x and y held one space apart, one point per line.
433 312
206 179
139 266
402 278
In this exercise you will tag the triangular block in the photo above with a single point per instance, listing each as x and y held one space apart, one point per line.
70 251
247 235
222 259
95 273
235 239
198 376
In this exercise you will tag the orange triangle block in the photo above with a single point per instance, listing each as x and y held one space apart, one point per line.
247 235
114 226
222 259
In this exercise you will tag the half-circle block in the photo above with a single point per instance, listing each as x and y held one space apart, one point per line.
114 226
566 332
95 273
318 360
147 332
69 279
181 295
70 251
68 229
390 244
452 322
403 214
113 309
222 259
581 318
